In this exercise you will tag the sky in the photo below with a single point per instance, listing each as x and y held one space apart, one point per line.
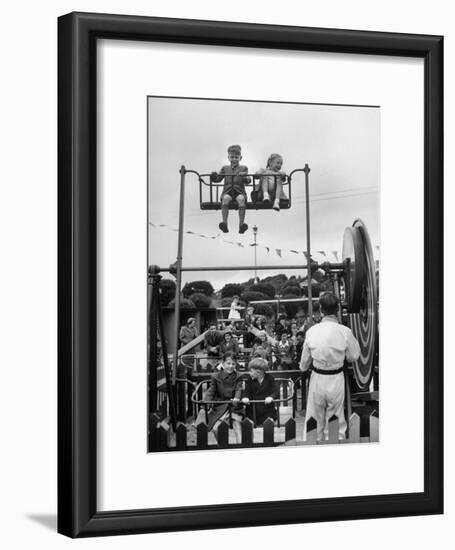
339 143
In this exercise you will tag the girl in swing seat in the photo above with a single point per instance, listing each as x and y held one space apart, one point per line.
271 181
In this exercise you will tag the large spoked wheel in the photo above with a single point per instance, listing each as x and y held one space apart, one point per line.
362 302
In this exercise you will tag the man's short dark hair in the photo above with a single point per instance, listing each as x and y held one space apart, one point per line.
328 303
300 333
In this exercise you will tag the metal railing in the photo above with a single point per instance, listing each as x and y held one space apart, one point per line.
203 403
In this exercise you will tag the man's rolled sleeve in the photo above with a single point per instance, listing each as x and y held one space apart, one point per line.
352 348
305 360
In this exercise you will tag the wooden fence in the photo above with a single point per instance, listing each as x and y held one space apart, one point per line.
186 438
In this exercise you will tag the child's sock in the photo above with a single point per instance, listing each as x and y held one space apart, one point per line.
276 205
266 197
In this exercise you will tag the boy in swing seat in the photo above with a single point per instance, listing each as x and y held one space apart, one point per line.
234 187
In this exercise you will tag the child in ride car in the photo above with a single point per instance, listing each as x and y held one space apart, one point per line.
234 187
271 182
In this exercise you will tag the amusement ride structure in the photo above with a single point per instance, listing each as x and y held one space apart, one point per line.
353 278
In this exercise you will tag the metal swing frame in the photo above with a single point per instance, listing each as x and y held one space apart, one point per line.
336 269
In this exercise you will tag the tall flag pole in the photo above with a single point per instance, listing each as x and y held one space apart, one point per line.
178 276
255 233
308 247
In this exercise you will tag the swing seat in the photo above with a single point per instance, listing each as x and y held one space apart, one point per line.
213 191
216 205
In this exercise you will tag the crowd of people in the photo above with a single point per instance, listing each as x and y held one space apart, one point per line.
280 343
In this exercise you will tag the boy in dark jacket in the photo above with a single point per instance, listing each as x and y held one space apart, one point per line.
260 386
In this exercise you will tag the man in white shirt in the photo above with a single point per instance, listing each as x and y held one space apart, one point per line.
326 346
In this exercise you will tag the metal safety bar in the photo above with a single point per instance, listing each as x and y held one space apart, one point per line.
251 402
214 185
196 401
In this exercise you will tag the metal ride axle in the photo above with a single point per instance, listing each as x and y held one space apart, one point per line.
171 269
326 266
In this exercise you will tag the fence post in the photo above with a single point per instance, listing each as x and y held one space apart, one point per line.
181 437
269 432
163 436
247 432
222 435
354 428
374 427
202 435
311 430
153 432
334 428
289 429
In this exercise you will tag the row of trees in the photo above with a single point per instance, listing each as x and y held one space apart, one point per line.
199 294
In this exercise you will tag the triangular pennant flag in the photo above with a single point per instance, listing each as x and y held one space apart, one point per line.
241 245
254 244
306 255
294 251
278 251
321 252
152 224
162 225
335 253
190 232
267 248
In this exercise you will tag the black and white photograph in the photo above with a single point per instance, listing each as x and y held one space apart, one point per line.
263 273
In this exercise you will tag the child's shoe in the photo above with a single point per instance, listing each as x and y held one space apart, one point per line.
276 205
243 228
224 228
266 199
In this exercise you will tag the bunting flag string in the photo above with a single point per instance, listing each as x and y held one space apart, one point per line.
278 251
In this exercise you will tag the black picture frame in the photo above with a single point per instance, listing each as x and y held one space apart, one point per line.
77 249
